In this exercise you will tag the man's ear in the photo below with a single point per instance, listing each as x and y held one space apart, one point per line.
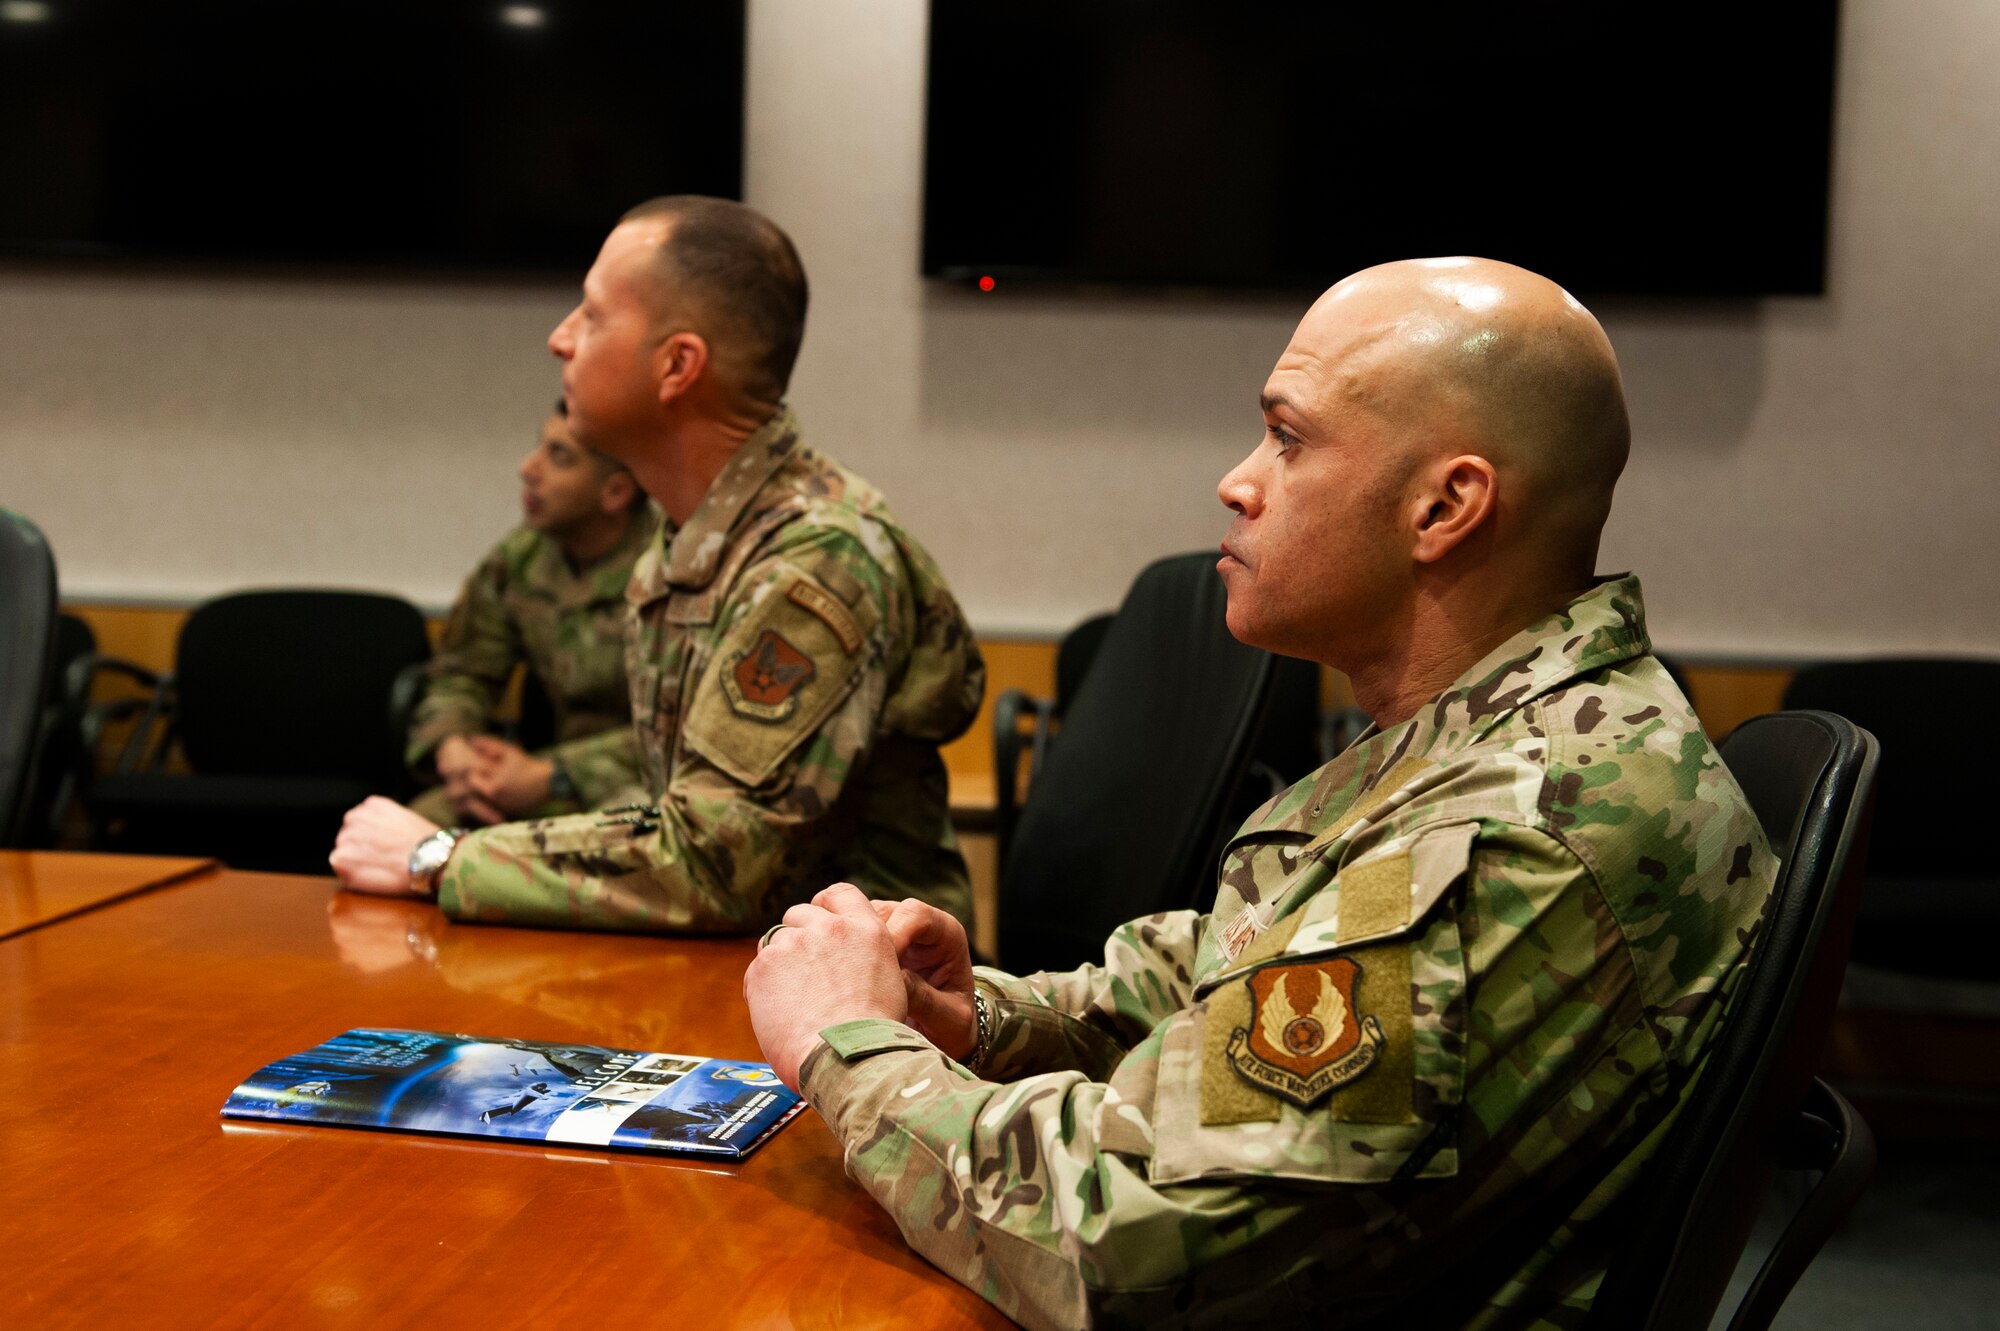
615 495
680 361
1460 498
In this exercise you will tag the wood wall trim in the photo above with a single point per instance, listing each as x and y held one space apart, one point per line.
1726 694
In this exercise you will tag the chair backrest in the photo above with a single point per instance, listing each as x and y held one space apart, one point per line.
1809 777
295 683
1074 656
1901 702
27 645
1123 817
63 758
535 726
75 639
1288 743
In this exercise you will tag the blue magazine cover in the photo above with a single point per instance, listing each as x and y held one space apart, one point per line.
530 1090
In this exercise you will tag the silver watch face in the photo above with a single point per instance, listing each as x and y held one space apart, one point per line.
431 853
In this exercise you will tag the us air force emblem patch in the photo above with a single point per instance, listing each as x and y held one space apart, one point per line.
764 682
1304 1037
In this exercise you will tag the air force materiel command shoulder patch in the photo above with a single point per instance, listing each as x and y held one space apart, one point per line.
764 682
1304 1037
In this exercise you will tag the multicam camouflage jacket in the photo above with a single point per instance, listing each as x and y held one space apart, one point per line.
1453 986
524 604
795 660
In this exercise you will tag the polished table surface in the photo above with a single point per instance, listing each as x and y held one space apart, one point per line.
39 887
126 1200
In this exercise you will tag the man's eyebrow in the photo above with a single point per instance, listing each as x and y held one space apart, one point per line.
1271 402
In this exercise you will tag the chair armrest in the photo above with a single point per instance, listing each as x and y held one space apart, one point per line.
1007 743
405 692
96 716
1008 710
81 676
1828 1135
152 732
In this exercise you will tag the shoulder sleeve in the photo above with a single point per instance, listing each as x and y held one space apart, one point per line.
787 707
476 656
1242 1153
791 654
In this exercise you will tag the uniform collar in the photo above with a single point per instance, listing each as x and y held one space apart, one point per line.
604 577
687 557
1602 627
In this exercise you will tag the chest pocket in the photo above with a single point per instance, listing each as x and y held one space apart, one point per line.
1332 1048
776 675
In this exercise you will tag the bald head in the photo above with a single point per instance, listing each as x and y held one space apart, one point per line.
1474 356
1441 438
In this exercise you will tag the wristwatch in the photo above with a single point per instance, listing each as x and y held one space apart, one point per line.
427 861
560 785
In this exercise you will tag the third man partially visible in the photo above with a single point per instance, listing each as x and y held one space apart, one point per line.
549 597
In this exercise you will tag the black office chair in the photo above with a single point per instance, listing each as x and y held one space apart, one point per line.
1931 902
1136 796
1042 716
535 727
27 647
1756 1105
282 703
64 759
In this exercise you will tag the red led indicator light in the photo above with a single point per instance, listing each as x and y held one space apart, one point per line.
986 283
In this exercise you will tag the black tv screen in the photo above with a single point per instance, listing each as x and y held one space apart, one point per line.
1660 149
363 132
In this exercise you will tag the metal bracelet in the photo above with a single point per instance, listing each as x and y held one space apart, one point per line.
982 1043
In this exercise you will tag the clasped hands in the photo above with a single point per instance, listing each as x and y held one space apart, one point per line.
842 957
489 780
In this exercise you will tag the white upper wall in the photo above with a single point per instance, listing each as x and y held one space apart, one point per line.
1808 476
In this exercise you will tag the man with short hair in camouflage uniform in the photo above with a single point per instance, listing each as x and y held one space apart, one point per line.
550 597
795 656
1455 982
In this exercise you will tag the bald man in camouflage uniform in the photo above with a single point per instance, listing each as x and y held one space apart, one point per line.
1454 983
795 656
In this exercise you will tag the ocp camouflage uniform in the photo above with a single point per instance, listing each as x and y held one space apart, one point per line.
1454 983
525 605
795 661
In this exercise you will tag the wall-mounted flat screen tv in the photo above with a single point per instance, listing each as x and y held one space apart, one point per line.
402 133
1657 149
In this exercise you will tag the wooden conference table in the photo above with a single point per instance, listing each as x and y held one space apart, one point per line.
126 1200
39 888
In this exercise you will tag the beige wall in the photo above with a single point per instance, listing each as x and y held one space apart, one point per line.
1810 476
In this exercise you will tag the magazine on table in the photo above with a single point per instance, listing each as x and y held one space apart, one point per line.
523 1090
